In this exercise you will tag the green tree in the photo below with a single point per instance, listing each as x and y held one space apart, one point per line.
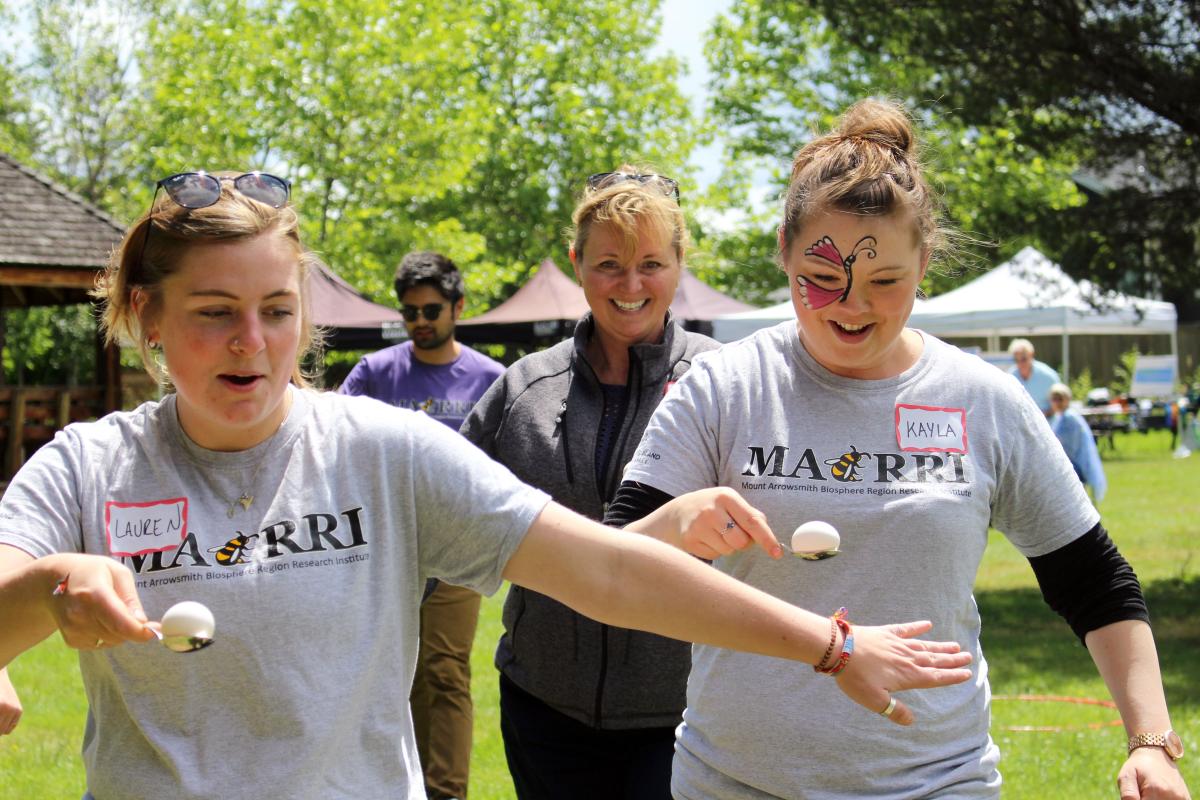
783 70
1054 84
80 83
18 125
565 88
466 128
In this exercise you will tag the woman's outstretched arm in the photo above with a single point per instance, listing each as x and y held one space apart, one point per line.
634 581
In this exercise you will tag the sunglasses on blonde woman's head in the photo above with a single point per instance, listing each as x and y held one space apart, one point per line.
602 180
200 190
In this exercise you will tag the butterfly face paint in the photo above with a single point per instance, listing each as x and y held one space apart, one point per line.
818 295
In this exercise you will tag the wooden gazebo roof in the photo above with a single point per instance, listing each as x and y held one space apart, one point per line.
52 242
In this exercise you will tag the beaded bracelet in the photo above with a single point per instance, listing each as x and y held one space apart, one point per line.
839 619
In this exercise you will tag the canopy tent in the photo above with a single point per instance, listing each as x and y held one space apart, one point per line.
1026 296
1030 295
351 320
549 304
545 307
731 327
696 301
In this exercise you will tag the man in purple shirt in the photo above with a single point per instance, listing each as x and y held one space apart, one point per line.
433 372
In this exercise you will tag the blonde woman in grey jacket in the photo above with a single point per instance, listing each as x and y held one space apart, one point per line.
589 710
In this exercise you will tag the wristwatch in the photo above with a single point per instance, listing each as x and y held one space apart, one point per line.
1169 741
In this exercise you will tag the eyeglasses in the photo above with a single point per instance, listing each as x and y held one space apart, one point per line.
431 311
602 180
200 190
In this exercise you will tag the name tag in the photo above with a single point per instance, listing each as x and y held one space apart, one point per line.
931 429
134 529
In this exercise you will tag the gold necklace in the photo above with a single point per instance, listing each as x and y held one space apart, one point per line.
246 499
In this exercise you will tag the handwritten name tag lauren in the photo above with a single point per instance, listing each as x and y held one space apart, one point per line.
134 529
931 429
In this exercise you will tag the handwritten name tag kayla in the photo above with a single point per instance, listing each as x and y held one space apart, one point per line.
134 529
928 429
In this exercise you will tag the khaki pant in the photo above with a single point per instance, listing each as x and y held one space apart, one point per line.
441 693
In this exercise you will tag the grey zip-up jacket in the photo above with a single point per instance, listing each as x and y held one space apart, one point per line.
540 419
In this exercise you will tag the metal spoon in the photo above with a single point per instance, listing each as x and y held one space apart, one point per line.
183 644
812 555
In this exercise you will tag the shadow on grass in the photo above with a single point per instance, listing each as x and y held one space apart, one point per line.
1028 645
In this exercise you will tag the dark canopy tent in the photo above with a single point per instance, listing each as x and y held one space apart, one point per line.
697 304
546 308
350 319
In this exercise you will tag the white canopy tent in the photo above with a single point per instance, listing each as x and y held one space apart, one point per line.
1030 295
1027 296
730 327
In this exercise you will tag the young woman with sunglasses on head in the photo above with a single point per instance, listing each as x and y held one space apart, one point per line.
910 448
588 710
308 523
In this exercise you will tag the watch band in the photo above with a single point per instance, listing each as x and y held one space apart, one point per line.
1147 740
1168 741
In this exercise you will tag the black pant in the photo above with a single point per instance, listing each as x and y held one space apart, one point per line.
554 757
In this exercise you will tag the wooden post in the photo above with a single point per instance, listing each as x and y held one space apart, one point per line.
16 434
64 408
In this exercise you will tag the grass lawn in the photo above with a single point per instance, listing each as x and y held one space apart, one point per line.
1152 512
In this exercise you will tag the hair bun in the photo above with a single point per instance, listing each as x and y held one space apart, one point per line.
880 122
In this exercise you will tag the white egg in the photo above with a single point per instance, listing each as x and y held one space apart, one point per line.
188 619
815 537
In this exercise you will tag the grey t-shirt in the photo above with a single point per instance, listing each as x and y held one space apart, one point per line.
315 588
910 470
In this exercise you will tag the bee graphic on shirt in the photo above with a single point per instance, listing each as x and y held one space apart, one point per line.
845 466
233 551
426 406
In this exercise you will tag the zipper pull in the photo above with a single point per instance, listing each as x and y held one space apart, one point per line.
562 410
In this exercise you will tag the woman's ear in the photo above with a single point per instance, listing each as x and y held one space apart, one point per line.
574 263
139 301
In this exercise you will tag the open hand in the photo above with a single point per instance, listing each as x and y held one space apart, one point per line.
887 659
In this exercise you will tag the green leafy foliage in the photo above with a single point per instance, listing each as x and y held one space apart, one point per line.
1123 372
1021 97
50 346
784 70
461 127
1081 384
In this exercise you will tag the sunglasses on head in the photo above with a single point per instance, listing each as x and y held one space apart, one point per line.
200 189
431 311
602 180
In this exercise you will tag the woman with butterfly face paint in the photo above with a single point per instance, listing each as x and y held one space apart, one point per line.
910 448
